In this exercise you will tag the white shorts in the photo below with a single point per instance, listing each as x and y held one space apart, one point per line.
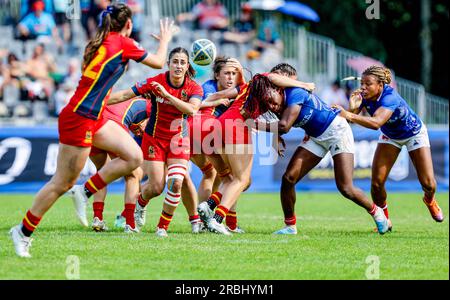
413 143
337 138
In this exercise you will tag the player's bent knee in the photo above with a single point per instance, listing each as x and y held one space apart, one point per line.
289 179
346 190
429 186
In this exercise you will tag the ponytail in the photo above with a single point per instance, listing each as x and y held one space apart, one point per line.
259 95
113 19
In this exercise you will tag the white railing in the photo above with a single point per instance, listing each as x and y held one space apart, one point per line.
437 110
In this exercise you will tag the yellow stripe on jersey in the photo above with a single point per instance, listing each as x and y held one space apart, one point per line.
246 97
96 79
156 118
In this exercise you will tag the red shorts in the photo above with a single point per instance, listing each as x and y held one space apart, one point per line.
233 130
157 149
201 133
76 130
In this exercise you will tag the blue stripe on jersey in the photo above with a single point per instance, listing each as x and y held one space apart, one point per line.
136 113
93 102
315 116
404 123
151 125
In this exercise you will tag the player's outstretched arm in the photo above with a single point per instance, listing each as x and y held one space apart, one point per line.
379 118
189 108
230 93
286 82
214 103
158 60
120 96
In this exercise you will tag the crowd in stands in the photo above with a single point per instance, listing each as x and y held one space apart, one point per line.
34 85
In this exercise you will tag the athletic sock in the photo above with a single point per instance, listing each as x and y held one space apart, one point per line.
141 201
93 185
385 211
220 213
214 200
194 219
164 220
29 224
98 209
427 200
290 221
231 220
128 213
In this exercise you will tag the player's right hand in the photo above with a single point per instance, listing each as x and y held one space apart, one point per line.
355 100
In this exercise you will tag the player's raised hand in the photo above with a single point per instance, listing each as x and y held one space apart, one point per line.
224 101
167 29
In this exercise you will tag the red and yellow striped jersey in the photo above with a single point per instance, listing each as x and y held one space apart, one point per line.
105 68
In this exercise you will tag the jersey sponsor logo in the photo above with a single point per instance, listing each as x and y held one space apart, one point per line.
183 95
151 152
384 138
88 137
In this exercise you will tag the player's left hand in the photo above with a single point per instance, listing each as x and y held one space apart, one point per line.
342 112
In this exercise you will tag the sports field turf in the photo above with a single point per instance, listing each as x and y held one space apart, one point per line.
334 242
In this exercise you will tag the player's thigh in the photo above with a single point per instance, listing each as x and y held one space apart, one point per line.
219 164
113 138
343 168
240 165
383 160
70 162
423 163
300 164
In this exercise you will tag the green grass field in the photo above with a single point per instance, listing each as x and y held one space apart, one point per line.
335 241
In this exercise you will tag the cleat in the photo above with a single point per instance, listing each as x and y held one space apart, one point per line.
161 232
381 221
21 243
238 230
289 229
129 229
120 222
435 210
216 227
140 215
198 227
80 202
205 212
389 226
99 225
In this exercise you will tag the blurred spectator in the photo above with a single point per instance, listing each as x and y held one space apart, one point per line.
14 73
90 15
335 95
26 6
68 85
39 25
40 69
137 7
268 45
208 14
243 29
62 23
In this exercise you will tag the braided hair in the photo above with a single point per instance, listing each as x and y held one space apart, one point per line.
260 91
